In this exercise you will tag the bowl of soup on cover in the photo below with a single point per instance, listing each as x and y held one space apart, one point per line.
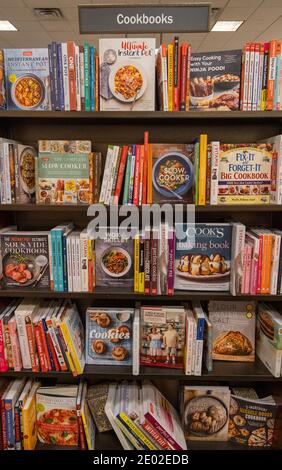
28 92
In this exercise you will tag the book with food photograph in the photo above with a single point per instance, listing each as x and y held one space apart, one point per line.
27 79
127 74
205 413
202 256
26 160
64 178
109 336
162 336
244 173
215 81
25 260
172 173
2 81
252 421
114 260
233 330
56 415
269 338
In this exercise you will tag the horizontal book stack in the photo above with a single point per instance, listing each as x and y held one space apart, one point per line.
41 336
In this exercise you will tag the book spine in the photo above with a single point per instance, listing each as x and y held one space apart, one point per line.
271 75
86 76
189 345
97 176
215 149
243 285
261 59
176 75
170 79
4 425
12 164
251 76
188 78
51 72
65 262
145 167
77 78
82 437
84 261
66 76
162 431
112 170
147 263
59 253
115 175
56 76
71 348
60 77
248 269
97 84
8 346
69 262
164 78
81 77
132 172
136 263
203 169
149 178
254 271
154 263
78 261
276 100
20 320
170 266
208 180
7 151
136 342
91 266
132 439
3 361
238 242
276 242
264 77
136 177
31 346
256 77
51 345
136 431
17 425
67 352
106 174
246 79
40 350
9 411
269 264
141 264
127 177
54 259
199 346
16 352
45 344
56 347
141 175
157 437
72 75
183 78
91 75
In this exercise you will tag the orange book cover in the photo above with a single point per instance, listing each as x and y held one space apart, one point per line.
273 45
145 167
149 187
71 75
32 347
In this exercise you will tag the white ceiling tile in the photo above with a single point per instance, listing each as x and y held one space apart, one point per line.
28 26
59 26
215 41
70 13
254 25
239 39
236 13
267 35
20 13
11 3
70 3
61 36
267 14
243 3
276 27
271 3
28 39
41 3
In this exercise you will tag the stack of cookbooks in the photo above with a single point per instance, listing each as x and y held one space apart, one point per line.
142 418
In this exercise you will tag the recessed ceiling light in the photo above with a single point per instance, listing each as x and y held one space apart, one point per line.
7 26
227 25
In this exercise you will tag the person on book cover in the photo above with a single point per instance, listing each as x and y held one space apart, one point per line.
155 346
170 341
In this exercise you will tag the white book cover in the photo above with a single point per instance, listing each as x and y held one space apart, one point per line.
6 173
238 243
246 80
136 343
106 175
215 147
112 408
251 79
81 74
69 262
276 186
112 174
84 260
256 78
190 327
200 319
25 309
261 61
65 75
276 246
77 77
78 261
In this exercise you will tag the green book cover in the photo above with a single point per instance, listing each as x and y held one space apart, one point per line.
197 165
86 76
127 177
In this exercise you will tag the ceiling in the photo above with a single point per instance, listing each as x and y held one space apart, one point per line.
263 21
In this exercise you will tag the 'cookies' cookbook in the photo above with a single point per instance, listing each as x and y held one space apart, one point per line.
215 81
202 257
233 330
205 413
173 173
127 74
27 79
109 336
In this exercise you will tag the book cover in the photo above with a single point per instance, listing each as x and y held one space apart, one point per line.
215 81
269 338
172 173
114 260
26 159
233 330
29 419
244 173
27 79
203 256
2 81
205 413
127 74
109 336
25 260
162 336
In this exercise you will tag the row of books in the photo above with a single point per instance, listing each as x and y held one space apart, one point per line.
261 77
54 415
48 335
41 336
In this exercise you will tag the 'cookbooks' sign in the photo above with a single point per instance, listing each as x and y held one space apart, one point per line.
143 18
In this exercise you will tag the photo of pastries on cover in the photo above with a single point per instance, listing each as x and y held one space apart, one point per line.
123 74
196 337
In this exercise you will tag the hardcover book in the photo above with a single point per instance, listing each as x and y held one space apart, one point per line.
25 164
172 173
109 336
127 74
269 338
162 336
205 413
27 79
202 256
215 81
114 260
244 173
233 330
25 260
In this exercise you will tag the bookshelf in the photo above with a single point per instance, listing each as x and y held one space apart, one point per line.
128 127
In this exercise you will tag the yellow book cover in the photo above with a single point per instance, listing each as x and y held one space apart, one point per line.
72 353
29 417
170 76
87 420
68 355
141 264
74 336
149 175
203 169
136 262
136 431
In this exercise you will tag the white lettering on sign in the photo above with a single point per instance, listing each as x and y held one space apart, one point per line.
144 19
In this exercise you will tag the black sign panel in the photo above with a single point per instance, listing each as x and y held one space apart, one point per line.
98 19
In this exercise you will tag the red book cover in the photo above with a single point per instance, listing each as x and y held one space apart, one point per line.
136 177
121 170
176 75
31 347
44 344
53 352
3 360
183 75
72 76
42 360
145 167
154 263
156 435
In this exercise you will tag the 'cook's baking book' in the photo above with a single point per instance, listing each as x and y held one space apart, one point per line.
202 256
127 74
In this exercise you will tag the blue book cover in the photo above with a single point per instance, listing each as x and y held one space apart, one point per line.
203 256
9 424
55 75
59 238
54 259
92 92
60 77
86 76
52 82
109 336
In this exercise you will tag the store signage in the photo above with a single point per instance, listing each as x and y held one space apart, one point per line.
181 18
